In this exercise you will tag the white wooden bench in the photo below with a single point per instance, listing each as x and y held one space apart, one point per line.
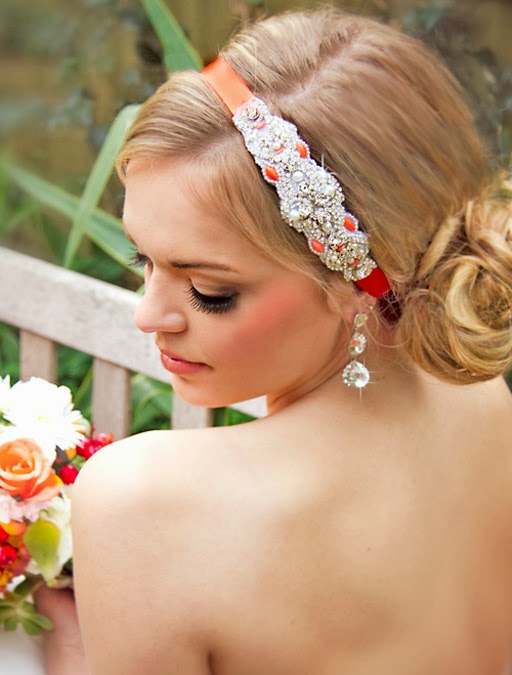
51 306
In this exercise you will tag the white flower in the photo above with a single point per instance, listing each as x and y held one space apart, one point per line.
11 509
45 411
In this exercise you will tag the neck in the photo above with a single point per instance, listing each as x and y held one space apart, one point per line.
392 374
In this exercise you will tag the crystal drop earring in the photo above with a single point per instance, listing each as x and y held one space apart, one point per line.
355 373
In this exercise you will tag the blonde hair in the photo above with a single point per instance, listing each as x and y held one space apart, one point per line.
384 115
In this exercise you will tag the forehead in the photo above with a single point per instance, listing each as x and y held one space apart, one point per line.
161 210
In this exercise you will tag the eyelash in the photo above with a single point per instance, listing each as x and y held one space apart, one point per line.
210 304
136 259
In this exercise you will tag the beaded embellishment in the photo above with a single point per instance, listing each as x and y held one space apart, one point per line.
311 198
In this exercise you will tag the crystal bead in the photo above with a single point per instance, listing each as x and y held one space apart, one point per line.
253 113
271 173
320 215
317 246
305 209
294 212
356 374
350 224
302 149
357 344
360 320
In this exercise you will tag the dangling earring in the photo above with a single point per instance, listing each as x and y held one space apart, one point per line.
356 374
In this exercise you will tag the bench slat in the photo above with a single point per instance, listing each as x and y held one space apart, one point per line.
110 398
38 357
186 416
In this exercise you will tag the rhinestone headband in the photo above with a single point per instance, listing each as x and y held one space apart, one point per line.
311 198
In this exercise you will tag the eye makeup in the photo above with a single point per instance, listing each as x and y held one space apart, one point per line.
210 304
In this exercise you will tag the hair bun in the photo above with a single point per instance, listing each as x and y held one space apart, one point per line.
457 321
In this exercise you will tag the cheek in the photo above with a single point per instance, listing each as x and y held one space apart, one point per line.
270 317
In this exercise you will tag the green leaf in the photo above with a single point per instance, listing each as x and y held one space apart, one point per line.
98 179
5 612
151 404
42 540
11 623
179 54
48 194
104 229
30 627
36 623
27 586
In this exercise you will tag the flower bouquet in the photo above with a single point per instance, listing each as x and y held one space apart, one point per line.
44 443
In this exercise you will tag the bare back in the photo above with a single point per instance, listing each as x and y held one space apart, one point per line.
364 555
311 545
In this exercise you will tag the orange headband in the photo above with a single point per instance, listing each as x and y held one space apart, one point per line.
311 199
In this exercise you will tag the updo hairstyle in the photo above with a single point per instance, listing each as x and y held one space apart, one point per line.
383 114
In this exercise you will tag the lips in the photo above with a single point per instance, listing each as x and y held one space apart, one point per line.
177 357
177 365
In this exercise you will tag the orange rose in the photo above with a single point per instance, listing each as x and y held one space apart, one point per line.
25 472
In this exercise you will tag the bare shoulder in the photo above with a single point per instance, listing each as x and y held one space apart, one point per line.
137 511
147 462
157 477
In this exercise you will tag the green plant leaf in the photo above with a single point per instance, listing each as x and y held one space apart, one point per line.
179 54
27 586
42 541
98 179
11 623
104 229
151 404
35 623
31 628
5 612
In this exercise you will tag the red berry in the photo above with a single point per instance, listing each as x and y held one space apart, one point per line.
101 440
86 449
8 555
68 474
4 536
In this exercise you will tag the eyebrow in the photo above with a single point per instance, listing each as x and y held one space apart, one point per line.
192 264
183 265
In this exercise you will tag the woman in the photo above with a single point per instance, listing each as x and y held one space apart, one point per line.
356 529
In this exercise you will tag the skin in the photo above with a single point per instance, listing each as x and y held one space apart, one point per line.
346 532
243 358
64 651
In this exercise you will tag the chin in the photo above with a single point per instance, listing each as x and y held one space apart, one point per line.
203 397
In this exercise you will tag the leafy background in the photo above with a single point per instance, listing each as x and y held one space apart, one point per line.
72 75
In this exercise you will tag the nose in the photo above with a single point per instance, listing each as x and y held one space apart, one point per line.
158 311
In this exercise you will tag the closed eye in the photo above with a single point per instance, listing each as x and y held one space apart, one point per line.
214 304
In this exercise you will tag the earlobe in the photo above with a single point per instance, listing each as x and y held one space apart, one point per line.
348 301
